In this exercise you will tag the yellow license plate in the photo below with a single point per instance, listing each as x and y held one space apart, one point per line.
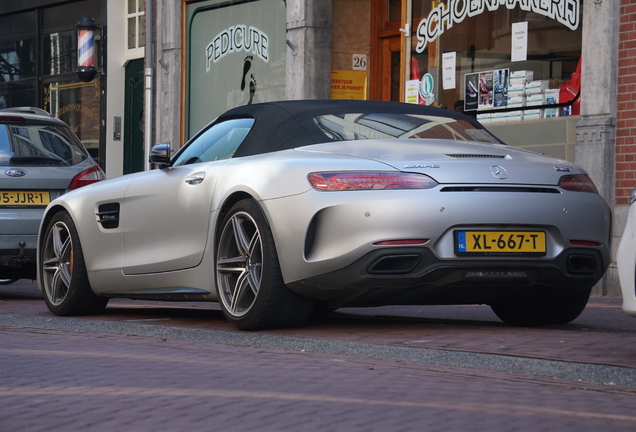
24 198
506 242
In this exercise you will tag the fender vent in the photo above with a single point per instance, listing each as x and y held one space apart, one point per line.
108 215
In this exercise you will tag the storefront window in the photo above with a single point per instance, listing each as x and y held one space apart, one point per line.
38 65
77 104
17 93
60 53
463 56
17 60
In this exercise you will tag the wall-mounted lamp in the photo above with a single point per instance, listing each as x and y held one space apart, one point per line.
86 70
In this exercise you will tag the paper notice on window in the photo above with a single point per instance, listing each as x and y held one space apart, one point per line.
449 62
519 41
412 90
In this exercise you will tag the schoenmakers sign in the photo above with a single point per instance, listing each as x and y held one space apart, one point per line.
567 12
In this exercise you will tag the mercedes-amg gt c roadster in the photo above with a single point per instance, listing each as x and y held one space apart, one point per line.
276 208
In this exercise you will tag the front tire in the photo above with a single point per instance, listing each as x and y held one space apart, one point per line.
250 285
63 271
549 312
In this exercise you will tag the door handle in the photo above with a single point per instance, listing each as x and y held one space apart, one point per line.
195 179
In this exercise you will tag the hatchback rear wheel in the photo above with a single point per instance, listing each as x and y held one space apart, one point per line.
7 281
63 271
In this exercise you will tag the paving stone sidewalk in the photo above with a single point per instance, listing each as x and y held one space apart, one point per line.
63 380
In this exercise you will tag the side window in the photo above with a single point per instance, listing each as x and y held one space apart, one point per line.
217 143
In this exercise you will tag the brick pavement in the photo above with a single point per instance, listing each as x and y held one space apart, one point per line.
603 334
60 380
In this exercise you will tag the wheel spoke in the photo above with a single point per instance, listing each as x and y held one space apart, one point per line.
241 288
255 245
254 278
59 245
51 265
59 287
242 239
231 265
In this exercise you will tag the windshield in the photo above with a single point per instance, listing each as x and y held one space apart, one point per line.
356 126
23 144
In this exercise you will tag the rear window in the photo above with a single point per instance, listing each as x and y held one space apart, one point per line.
39 145
357 126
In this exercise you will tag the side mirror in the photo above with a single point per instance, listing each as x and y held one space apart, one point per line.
160 155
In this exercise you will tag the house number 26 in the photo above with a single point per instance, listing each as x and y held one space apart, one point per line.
359 62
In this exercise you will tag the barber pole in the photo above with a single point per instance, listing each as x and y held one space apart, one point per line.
85 48
86 70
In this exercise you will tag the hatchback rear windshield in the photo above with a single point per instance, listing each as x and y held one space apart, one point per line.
339 127
39 145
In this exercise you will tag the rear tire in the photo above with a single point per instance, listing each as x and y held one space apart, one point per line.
63 271
551 312
249 284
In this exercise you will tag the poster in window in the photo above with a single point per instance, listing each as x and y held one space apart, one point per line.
500 88
471 92
485 90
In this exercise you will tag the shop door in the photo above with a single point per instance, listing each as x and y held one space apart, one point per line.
387 44
396 62
391 71
134 117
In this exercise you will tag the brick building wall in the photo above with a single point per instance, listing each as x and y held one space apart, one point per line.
626 110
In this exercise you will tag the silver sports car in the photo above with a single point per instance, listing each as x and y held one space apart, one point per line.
277 208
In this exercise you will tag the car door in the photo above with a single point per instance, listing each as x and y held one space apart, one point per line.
166 213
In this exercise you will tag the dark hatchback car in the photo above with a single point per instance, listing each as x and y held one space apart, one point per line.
40 159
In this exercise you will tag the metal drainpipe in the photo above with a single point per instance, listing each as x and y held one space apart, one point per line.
148 74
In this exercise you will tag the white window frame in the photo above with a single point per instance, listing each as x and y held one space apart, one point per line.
138 50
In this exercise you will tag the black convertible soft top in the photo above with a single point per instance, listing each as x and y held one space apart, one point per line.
285 125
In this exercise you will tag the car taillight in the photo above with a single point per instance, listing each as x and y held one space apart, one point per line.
86 177
584 243
577 183
8 119
367 180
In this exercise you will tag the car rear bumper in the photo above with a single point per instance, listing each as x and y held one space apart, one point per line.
321 232
417 276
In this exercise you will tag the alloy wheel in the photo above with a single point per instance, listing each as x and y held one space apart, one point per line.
239 264
57 263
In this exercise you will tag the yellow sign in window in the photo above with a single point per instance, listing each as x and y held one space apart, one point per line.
348 85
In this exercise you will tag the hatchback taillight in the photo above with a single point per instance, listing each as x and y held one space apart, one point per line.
86 177
366 180
577 183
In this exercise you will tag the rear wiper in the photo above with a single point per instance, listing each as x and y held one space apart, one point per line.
20 160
